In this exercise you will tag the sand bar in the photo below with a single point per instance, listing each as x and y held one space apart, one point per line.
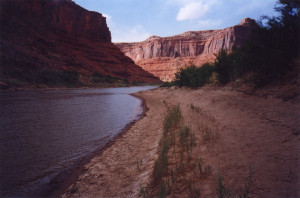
262 131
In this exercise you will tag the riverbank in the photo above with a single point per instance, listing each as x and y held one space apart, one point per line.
25 87
66 178
244 130
52 133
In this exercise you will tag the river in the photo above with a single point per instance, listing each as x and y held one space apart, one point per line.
43 132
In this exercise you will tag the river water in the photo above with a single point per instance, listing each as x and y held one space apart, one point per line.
43 132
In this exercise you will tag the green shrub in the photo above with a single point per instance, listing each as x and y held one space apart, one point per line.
271 46
101 78
52 77
193 76
168 84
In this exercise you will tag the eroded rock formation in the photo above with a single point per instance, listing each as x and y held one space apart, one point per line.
59 35
163 56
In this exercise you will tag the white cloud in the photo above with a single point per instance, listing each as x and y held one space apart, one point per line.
194 10
129 34
121 33
107 16
109 21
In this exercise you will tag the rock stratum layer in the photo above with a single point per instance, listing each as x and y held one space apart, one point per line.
163 56
60 35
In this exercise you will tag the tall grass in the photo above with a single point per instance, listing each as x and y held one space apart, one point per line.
223 191
168 169
171 122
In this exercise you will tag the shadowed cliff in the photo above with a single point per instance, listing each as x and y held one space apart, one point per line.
58 35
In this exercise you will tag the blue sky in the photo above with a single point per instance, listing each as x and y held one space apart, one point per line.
136 20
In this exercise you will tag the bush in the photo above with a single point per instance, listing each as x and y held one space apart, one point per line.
46 77
100 78
231 66
269 50
51 77
168 84
193 76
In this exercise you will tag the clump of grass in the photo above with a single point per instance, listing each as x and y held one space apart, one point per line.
171 122
203 170
193 191
223 191
195 108
187 140
144 191
162 190
249 184
169 169
184 133
209 137
139 163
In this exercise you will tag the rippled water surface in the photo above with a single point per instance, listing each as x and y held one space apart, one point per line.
42 132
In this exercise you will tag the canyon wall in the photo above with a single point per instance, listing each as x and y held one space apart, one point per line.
41 35
163 56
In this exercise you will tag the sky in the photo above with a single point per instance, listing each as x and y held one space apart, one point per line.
137 20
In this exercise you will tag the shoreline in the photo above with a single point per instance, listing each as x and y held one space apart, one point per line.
59 184
34 88
243 131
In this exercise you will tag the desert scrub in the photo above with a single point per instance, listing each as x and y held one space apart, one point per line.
174 164
208 136
139 163
171 122
193 76
195 108
223 191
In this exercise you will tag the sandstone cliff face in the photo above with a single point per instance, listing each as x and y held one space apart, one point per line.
163 56
61 16
59 35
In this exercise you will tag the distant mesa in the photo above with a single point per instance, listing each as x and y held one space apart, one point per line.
38 35
163 56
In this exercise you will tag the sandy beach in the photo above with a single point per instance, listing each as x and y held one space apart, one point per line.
259 130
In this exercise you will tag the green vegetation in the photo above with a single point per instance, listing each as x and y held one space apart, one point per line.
51 77
98 78
139 164
171 123
263 58
209 137
224 192
193 76
45 77
174 159
195 108
61 78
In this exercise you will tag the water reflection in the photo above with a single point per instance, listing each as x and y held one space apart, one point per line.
43 132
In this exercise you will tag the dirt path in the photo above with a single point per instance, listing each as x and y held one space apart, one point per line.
250 130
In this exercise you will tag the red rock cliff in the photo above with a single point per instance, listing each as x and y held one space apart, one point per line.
163 56
61 16
59 35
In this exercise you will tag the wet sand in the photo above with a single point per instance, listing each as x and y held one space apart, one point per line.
260 130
